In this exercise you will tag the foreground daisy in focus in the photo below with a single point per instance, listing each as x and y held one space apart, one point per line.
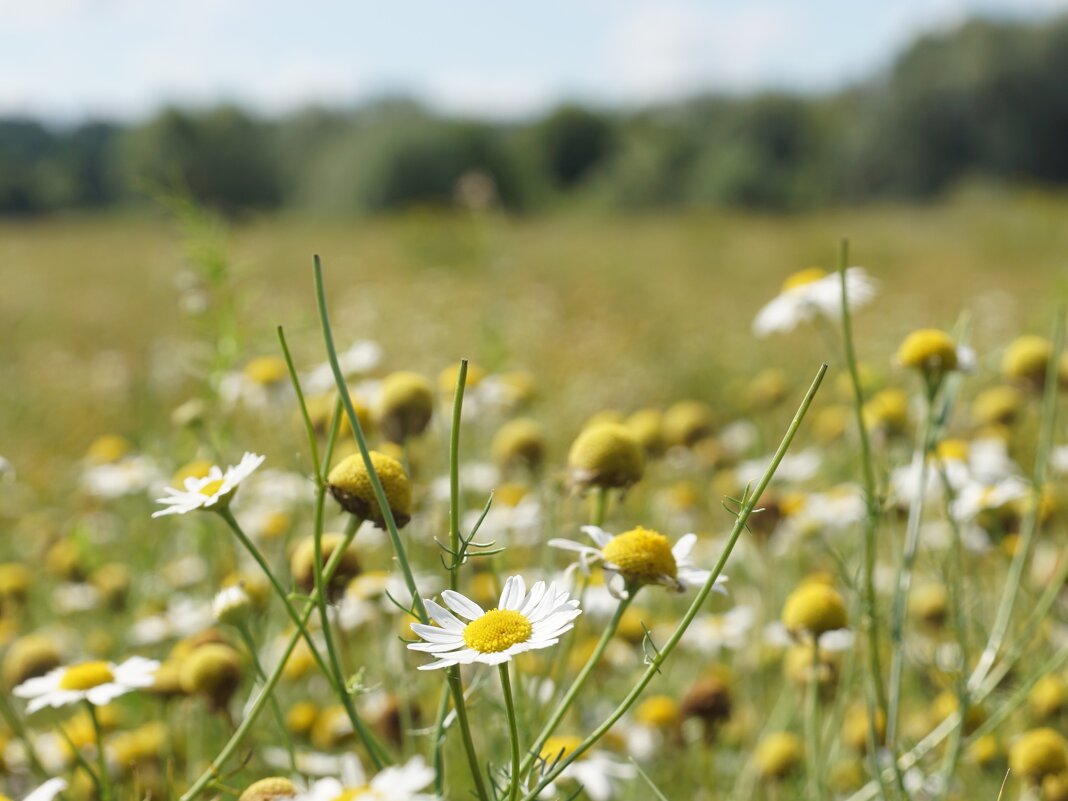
399 783
521 622
213 490
809 294
638 557
97 683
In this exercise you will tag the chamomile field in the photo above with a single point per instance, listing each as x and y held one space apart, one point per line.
567 506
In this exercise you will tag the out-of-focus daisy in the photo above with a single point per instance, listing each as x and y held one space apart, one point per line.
639 556
98 683
810 293
793 469
476 477
595 770
7 471
521 622
184 616
216 488
976 497
360 358
712 633
127 476
47 791
396 783
262 382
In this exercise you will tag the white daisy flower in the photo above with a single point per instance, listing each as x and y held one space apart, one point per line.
521 622
128 476
794 468
640 556
204 493
362 357
712 633
97 683
812 293
47 791
975 497
596 771
396 783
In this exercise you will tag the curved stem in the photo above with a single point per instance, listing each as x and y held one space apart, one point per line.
1030 523
261 700
702 595
456 687
276 710
361 443
513 731
904 576
573 691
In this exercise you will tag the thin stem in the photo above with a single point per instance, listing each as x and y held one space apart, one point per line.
361 443
1003 616
456 687
875 692
454 475
106 792
225 513
656 661
580 680
439 741
295 379
276 710
812 723
904 576
14 723
513 731
600 506
261 700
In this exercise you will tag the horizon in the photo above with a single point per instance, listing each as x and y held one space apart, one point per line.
614 56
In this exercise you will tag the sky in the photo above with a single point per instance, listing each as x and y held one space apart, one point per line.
68 60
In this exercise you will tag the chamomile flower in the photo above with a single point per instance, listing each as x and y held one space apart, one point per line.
521 622
638 557
712 633
98 683
47 791
595 770
213 490
396 783
809 294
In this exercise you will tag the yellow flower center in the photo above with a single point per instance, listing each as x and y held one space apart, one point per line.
807 276
641 555
352 793
211 487
497 630
86 676
559 748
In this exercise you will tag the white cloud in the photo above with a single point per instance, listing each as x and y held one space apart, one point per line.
487 93
669 49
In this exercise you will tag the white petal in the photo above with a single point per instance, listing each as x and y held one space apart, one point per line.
462 605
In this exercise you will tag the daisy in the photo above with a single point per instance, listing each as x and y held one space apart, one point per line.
810 294
712 633
128 476
521 622
396 783
594 770
361 358
47 791
97 683
216 488
638 557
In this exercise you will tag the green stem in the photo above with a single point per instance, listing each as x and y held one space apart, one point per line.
309 429
600 506
580 680
14 723
106 793
702 595
1003 616
456 687
361 443
904 576
454 475
261 700
276 710
812 724
439 741
513 731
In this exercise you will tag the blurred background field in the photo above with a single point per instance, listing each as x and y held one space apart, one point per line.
607 315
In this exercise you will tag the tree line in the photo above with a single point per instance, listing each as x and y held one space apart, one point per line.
988 100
